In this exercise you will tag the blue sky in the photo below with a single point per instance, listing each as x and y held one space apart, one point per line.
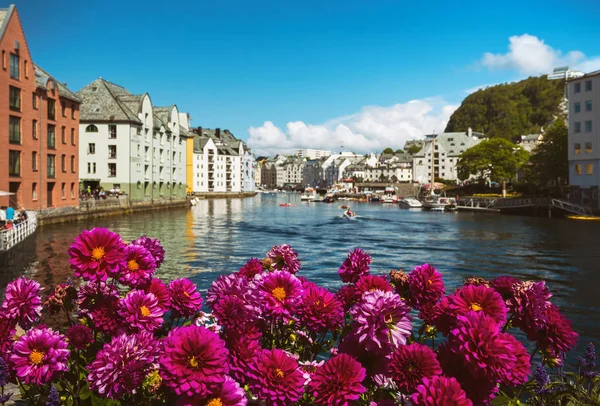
284 74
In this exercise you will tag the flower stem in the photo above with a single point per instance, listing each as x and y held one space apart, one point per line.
508 323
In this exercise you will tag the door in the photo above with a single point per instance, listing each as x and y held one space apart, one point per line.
49 194
13 200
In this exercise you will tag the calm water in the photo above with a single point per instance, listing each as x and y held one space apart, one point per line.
218 236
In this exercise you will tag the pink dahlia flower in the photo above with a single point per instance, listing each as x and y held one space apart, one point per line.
370 283
121 365
504 285
556 335
338 382
22 302
425 286
348 295
138 267
355 266
284 258
243 348
194 361
440 390
276 378
40 356
159 289
226 285
309 368
96 254
281 293
252 268
233 313
473 298
381 320
94 294
7 334
320 311
105 317
229 394
79 336
140 311
528 305
409 364
154 247
185 299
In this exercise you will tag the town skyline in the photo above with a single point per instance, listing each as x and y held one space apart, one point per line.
279 84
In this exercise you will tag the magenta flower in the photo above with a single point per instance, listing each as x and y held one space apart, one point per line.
440 390
228 394
338 382
355 266
226 285
121 365
276 378
194 361
252 268
528 305
7 334
160 290
94 294
425 286
154 247
381 320
284 258
409 364
138 267
140 311
370 283
309 368
40 356
556 336
22 302
504 285
320 310
79 336
473 298
233 313
185 299
243 349
105 317
96 254
281 293
348 296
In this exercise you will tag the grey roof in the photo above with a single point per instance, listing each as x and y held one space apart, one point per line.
5 14
530 137
453 143
41 80
184 133
105 101
200 142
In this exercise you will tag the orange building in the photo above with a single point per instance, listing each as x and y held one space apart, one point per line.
39 127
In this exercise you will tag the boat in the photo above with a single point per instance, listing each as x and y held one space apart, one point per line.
18 233
328 199
286 205
374 198
439 203
389 195
410 203
349 217
309 195
592 218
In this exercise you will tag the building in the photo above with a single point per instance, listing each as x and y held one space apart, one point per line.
313 175
312 153
292 170
584 137
268 175
530 142
38 158
440 154
129 145
258 170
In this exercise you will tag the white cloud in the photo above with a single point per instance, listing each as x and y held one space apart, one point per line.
372 129
530 55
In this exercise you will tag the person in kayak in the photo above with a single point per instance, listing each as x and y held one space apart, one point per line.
349 213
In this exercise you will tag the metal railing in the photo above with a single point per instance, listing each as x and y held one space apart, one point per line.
10 238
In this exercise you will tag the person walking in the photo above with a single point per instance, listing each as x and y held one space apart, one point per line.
10 213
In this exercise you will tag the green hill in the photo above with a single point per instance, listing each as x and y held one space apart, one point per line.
511 109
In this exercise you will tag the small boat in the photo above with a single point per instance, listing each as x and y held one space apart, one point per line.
344 207
374 198
390 195
410 203
438 203
309 195
328 199
350 216
287 204
592 218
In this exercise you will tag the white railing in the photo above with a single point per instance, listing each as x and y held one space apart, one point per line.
20 231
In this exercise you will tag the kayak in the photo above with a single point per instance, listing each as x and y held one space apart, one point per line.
597 218
286 205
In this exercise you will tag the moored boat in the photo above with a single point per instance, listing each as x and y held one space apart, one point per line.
410 203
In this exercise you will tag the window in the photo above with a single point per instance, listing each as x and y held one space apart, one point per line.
72 136
51 109
51 140
588 105
62 191
588 85
34 127
14 163
4 60
112 151
588 147
34 163
72 190
578 169
588 126
112 170
34 191
577 148
91 129
94 167
112 131
577 127
589 169
26 69
34 101
63 109
139 151
14 66
73 163
577 107
89 167
577 88
73 111
63 163
91 149
63 134
50 165
14 98
14 130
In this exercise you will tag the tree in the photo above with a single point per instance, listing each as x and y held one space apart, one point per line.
413 149
399 151
495 159
550 160
388 150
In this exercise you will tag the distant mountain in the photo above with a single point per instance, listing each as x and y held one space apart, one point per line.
511 109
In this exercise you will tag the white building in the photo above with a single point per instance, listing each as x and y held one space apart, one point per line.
440 154
584 131
127 144
312 153
292 171
530 142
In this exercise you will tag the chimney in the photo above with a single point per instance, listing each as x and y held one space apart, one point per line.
199 131
218 132
469 132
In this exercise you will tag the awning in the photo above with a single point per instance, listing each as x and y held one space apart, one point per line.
2 193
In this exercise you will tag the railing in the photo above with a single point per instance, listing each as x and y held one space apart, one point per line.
573 208
20 231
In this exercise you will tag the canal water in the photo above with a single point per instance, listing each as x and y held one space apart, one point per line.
218 236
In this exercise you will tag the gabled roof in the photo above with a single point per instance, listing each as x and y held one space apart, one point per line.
41 81
5 14
106 101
